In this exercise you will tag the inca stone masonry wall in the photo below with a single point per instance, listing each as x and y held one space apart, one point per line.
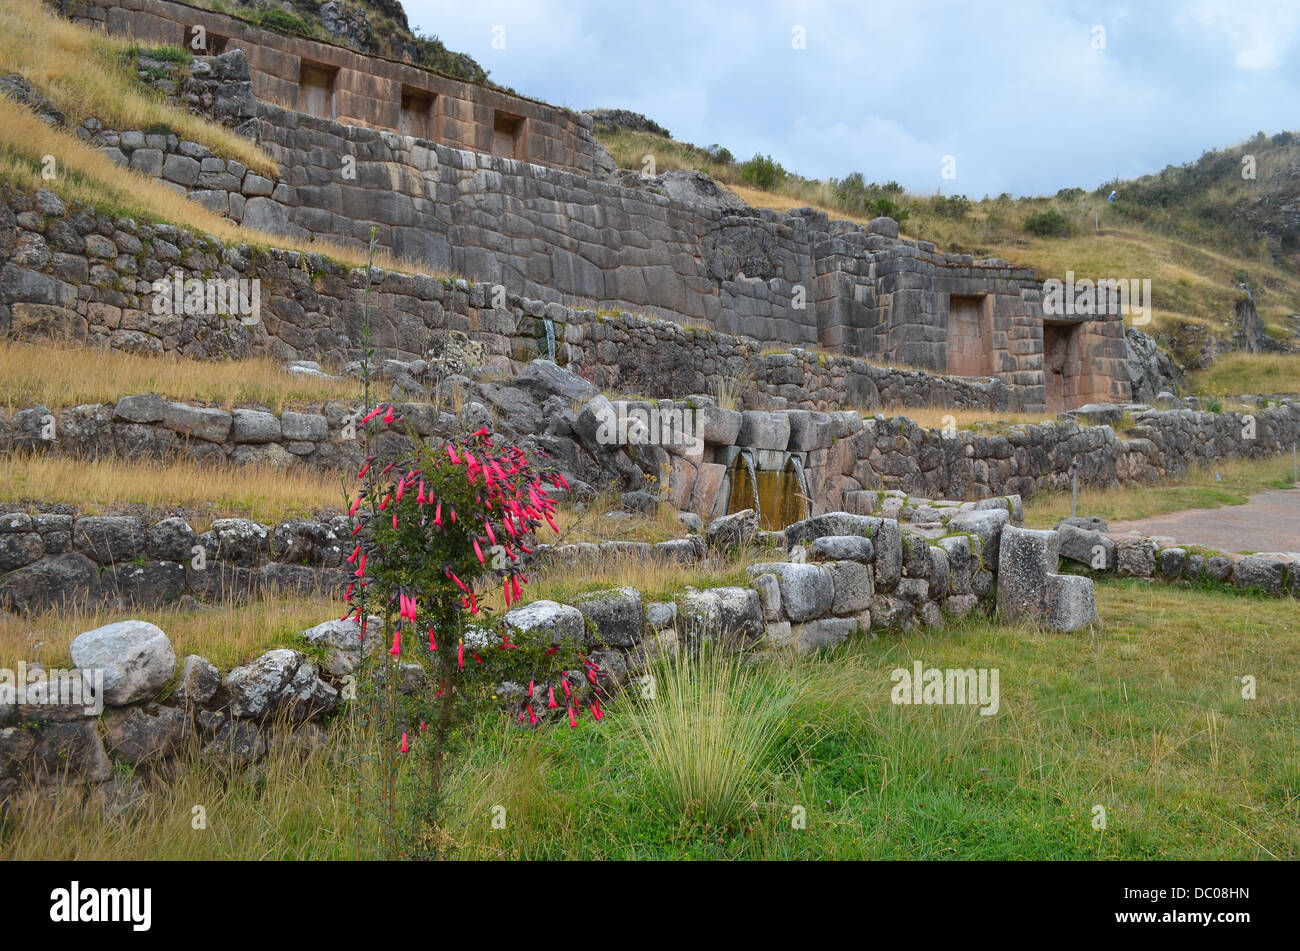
542 232
87 277
363 90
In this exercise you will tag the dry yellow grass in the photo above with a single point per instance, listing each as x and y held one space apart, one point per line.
69 376
226 634
937 417
95 486
85 74
1250 373
75 68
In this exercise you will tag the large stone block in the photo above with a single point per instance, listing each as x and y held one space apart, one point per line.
764 430
616 616
807 590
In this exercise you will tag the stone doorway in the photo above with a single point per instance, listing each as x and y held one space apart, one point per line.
970 351
1061 366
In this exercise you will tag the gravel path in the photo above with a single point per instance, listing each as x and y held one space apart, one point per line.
1269 522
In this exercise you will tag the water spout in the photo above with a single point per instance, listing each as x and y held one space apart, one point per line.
548 334
801 480
748 458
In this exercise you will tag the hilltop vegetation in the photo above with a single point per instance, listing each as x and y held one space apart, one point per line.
378 27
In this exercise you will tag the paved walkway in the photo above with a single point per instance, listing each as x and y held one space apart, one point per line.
1269 522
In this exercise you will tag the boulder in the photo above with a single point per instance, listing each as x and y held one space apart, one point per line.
1267 574
548 621
821 633
616 615
1029 588
341 642
280 682
734 530
544 378
71 752
137 659
853 586
1085 546
843 548
109 539
199 681
52 582
142 735
987 524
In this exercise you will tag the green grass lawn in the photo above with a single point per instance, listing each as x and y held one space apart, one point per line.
1144 718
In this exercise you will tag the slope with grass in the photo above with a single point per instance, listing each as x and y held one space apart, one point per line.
87 74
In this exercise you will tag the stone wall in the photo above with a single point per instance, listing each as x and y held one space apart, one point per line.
670 247
864 575
54 559
86 277
366 91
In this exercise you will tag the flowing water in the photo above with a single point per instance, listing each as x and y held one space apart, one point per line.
780 497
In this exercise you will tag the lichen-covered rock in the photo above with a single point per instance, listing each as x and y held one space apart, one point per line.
1135 557
341 641
548 620
279 682
136 657
199 682
1267 574
734 530
616 616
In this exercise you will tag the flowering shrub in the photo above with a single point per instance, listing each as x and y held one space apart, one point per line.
435 529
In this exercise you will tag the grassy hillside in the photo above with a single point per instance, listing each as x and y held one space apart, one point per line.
1188 231
85 73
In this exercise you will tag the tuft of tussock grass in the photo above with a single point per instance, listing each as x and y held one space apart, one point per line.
63 376
730 389
709 735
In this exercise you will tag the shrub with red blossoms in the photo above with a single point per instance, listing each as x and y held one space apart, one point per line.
436 529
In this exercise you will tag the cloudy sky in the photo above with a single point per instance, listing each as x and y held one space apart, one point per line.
1025 96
